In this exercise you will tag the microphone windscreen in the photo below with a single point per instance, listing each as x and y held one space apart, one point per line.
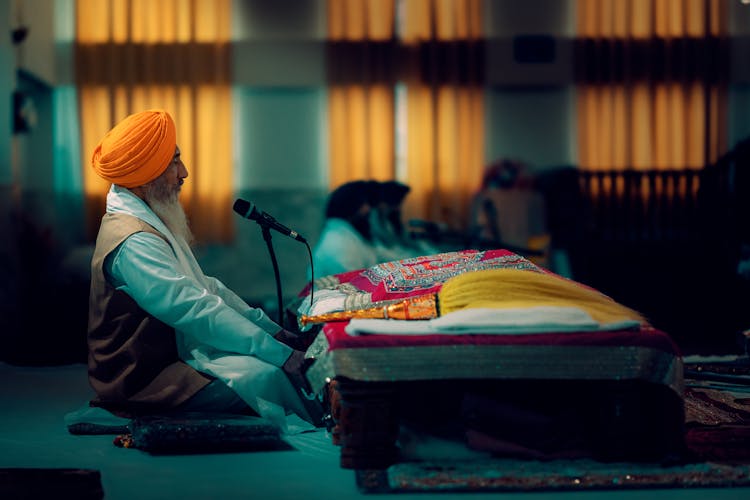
243 207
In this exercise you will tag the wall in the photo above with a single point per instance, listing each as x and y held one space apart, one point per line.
281 153
281 147
37 53
7 84
539 132
38 227
281 102
280 168
530 105
8 251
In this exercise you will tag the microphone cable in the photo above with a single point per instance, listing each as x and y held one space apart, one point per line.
312 275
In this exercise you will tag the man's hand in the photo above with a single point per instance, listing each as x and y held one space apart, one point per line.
297 341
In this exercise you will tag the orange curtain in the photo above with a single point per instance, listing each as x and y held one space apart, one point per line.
437 55
445 107
133 55
360 91
652 86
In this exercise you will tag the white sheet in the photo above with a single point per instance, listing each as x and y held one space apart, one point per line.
527 320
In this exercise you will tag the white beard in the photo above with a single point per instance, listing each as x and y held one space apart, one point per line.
167 207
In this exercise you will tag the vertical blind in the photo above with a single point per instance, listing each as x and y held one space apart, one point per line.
445 107
133 55
360 90
651 83
434 49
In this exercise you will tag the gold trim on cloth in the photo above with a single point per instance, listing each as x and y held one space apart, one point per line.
541 362
412 308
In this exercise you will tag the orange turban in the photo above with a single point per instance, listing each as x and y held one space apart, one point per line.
137 150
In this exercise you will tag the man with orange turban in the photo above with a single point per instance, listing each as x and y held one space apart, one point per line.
162 335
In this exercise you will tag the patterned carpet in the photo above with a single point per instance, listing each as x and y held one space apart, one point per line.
717 454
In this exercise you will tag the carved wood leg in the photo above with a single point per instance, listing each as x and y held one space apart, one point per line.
366 425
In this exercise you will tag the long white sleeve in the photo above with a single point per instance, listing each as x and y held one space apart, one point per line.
254 314
145 267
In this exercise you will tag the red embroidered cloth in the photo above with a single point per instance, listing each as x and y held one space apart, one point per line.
645 337
419 275
423 275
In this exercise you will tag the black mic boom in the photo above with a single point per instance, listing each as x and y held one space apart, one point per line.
250 211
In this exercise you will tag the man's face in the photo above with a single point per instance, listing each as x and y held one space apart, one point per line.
175 173
162 196
167 186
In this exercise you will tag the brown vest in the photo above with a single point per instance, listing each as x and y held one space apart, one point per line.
133 364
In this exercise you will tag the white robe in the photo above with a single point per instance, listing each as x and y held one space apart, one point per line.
341 248
218 333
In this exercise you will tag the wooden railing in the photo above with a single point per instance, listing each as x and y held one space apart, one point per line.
643 205
665 242
684 206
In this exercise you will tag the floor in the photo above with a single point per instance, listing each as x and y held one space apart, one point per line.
33 434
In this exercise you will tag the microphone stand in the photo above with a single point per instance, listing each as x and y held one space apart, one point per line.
267 237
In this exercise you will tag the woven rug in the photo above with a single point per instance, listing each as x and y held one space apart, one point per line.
518 475
30 483
717 408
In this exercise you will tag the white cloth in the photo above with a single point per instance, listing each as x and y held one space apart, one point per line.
512 321
324 301
218 333
341 248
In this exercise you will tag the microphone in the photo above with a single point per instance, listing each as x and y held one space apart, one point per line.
248 210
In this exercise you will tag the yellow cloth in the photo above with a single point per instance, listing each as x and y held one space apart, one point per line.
516 288
137 150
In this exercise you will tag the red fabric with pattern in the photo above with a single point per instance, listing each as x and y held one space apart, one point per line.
645 337
425 274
